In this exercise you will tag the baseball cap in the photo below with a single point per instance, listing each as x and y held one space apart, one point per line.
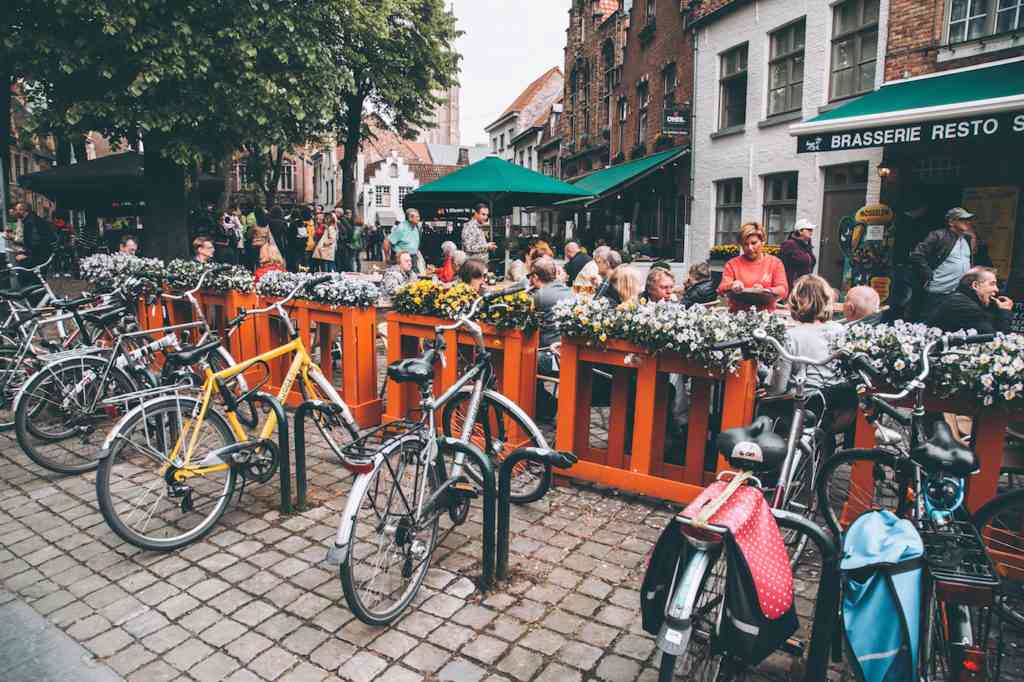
804 224
958 213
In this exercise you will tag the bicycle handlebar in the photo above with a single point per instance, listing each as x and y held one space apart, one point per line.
35 269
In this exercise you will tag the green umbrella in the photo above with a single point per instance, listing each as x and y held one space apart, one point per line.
498 183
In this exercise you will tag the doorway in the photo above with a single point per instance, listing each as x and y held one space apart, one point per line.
846 189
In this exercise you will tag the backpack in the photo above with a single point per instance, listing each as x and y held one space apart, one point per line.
882 579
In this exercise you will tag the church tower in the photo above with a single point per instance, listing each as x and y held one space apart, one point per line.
445 129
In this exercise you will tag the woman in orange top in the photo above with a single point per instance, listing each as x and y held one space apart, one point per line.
754 270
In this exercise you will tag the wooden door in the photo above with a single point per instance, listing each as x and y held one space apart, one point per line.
845 192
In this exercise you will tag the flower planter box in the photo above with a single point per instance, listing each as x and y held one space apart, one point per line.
639 466
516 366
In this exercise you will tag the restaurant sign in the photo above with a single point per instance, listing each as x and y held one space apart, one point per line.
676 120
975 128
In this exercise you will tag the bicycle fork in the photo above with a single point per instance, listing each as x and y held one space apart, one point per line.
677 627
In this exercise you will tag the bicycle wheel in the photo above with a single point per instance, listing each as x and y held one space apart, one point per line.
221 360
701 662
336 432
1000 522
134 496
390 548
60 417
13 375
854 481
800 495
497 432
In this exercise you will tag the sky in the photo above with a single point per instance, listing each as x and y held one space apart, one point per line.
507 45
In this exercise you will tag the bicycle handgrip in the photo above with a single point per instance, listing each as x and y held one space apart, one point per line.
862 363
317 281
488 297
729 345
954 341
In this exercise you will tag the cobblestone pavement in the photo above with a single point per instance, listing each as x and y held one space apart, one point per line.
253 601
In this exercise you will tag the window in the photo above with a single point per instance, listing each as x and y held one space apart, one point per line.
529 157
402 191
393 170
585 105
733 87
287 181
728 209
971 19
501 142
786 69
669 81
383 196
779 205
854 47
651 8
643 100
494 144
241 176
623 116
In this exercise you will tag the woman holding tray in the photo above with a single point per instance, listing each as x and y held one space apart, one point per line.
753 279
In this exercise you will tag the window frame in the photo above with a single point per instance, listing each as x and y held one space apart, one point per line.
992 16
669 93
382 196
643 99
286 183
783 203
857 35
726 79
789 57
723 236
623 114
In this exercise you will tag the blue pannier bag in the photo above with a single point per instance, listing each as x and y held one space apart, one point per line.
883 558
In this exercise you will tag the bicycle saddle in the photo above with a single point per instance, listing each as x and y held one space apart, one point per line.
414 370
71 303
754 448
942 453
191 355
26 292
104 318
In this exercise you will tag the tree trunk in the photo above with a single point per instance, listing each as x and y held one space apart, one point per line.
224 168
353 140
165 231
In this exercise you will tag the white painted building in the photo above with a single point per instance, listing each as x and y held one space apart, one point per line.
387 182
760 67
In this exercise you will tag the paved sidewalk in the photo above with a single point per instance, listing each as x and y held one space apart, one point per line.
33 650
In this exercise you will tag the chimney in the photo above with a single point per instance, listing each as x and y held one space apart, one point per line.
463 156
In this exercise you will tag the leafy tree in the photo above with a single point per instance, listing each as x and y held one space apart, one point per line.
192 79
399 54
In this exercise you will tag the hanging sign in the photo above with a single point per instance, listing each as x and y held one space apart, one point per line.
676 120
1007 125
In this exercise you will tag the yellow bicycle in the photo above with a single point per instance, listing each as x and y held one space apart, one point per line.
169 467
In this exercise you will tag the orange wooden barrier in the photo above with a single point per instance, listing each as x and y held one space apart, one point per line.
639 466
515 369
989 440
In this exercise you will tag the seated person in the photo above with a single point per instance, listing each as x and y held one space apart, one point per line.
861 304
474 273
446 273
699 287
976 304
660 285
398 275
548 291
812 336
625 285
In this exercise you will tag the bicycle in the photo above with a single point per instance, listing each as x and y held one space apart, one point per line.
169 467
389 528
922 481
72 396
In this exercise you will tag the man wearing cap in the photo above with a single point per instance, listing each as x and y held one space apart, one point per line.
945 256
797 253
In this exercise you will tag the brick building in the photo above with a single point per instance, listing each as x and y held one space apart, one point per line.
949 124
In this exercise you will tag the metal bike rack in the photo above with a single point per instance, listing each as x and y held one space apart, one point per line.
301 413
490 500
284 473
556 458
824 632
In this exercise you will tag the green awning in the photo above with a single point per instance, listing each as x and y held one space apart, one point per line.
495 181
970 103
601 183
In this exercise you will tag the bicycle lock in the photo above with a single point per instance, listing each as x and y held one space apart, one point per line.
556 458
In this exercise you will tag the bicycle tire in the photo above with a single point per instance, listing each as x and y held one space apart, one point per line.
999 522
13 375
36 401
701 663
158 419
531 480
835 485
336 432
402 545
221 359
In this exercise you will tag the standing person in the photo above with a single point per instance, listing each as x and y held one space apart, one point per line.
343 255
324 252
203 248
944 257
355 243
405 237
474 239
29 241
297 236
575 259
279 229
128 246
797 253
259 235
754 269
976 304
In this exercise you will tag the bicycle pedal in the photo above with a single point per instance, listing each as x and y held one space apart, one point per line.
465 490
